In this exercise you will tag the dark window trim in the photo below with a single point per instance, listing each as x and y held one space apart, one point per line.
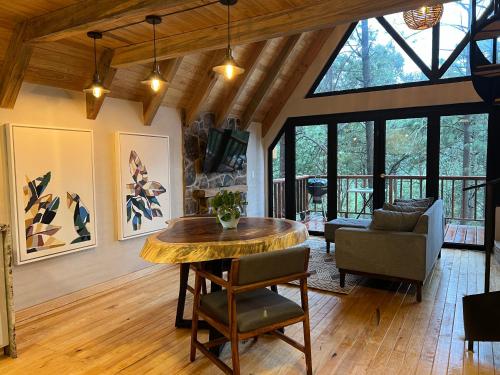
380 116
434 73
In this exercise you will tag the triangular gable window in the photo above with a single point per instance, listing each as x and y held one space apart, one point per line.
383 52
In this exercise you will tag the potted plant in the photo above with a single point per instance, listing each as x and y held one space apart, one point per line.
228 207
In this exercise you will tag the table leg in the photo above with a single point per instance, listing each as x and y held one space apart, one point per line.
274 288
181 301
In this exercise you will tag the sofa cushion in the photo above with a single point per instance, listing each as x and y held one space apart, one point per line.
424 202
395 220
403 208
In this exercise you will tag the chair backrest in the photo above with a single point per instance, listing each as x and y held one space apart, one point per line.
272 265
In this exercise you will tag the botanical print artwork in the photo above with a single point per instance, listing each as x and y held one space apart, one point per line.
40 210
81 217
52 191
142 194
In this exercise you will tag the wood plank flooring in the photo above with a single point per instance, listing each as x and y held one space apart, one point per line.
377 329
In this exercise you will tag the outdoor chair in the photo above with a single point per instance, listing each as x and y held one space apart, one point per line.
246 308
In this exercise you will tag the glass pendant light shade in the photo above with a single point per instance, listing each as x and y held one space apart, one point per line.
228 69
155 80
424 17
96 88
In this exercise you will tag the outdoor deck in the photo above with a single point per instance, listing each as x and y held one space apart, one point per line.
454 233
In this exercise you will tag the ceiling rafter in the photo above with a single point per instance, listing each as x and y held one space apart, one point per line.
204 88
107 74
309 56
152 102
226 105
268 81
287 22
90 14
15 65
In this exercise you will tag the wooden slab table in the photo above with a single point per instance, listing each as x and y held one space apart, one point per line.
201 239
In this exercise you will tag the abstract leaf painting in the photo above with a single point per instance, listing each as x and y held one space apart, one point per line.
143 170
81 217
47 164
40 212
142 194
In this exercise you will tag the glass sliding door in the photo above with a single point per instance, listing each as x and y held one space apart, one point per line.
405 158
462 163
278 178
355 151
311 180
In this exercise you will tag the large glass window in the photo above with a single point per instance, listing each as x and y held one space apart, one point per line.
462 163
355 169
383 52
311 183
405 159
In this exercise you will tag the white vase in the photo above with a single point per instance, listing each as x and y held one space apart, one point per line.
229 217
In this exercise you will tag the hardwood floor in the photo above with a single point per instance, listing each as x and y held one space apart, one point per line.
377 329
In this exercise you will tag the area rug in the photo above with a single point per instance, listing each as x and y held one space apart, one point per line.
324 272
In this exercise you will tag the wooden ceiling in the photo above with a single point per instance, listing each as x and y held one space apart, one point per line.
45 42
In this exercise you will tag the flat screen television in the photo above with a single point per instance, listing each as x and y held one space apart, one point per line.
226 150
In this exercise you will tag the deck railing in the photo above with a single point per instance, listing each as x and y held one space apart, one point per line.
459 207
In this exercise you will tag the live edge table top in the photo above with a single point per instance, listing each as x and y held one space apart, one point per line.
200 239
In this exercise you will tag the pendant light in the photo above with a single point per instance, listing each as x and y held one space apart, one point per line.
228 69
96 88
424 17
154 79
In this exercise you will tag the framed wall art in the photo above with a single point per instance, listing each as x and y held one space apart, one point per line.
143 181
52 190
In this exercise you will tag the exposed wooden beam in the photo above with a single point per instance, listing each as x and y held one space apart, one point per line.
90 14
14 67
204 88
269 79
107 74
318 15
302 66
226 105
154 99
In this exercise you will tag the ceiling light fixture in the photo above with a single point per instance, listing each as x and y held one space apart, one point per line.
155 80
228 69
96 88
424 17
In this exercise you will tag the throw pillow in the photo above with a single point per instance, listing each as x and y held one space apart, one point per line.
395 221
424 202
403 208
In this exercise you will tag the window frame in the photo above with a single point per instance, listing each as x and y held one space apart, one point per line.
434 74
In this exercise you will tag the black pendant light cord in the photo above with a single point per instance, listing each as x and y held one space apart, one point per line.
155 65
228 28
96 73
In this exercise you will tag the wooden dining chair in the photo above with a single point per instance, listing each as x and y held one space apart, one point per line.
246 308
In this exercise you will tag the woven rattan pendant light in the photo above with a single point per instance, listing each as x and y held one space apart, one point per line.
424 17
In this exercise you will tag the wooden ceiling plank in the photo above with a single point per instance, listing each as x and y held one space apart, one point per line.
301 67
204 88
89 14
268 81
14 67
226 105
153 101
107 74
323 14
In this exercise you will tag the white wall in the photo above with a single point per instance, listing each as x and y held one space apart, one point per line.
255 173
46 279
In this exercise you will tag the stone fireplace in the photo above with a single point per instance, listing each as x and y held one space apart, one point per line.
198 185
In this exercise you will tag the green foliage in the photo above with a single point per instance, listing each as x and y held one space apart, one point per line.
228 201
